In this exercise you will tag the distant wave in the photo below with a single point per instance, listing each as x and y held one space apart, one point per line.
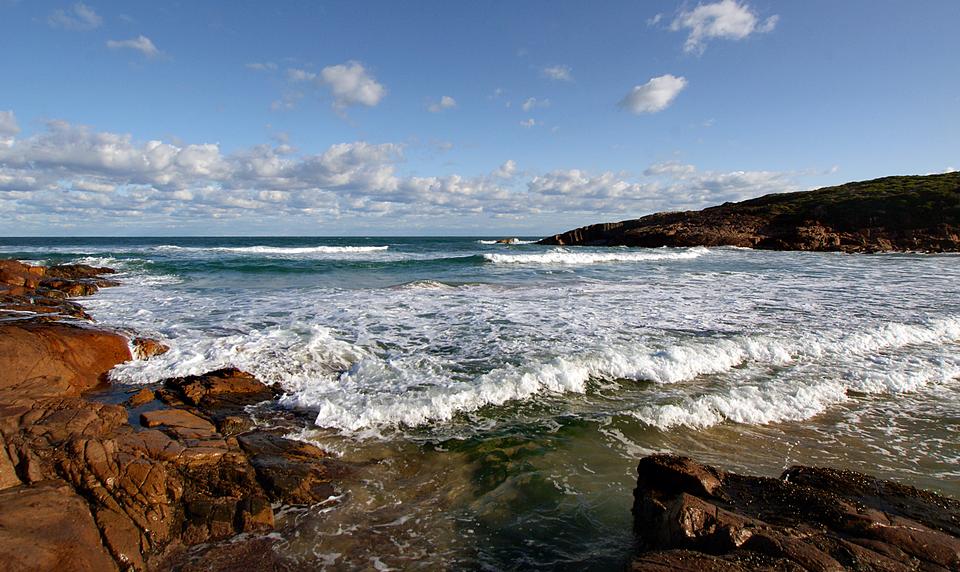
276 249
511 241
563 256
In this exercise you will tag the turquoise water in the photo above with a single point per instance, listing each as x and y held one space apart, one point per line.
497 397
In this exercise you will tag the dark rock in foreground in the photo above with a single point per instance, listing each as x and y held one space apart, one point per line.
689 516
920 213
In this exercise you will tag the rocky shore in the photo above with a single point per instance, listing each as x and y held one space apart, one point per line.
918 213
178 475
689 516
86 484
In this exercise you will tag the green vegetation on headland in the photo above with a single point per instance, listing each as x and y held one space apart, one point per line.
907 213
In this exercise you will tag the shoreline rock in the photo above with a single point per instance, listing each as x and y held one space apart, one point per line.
917 213
102 491
689 516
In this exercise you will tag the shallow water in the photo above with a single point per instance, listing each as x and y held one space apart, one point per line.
499 396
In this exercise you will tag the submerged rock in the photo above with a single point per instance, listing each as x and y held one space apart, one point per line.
689 516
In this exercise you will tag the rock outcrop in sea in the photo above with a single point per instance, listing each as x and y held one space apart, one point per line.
689 516
913 213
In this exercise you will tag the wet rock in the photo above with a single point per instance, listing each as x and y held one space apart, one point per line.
56 359
691 516
256 553
141 397
228 388
77 271
144 348
292 472
507 240
47 526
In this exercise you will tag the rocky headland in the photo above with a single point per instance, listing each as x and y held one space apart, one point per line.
911 213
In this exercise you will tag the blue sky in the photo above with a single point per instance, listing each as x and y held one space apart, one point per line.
136 118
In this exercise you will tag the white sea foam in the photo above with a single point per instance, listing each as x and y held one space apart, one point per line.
566 256
747 337
275 250
509 241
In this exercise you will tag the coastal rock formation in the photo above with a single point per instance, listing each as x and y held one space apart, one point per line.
689 516
90 485
920 213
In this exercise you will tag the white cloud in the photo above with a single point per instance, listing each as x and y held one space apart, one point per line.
8 128
529 122
532 103
726 19
71 172
77 17
558 72
352 85
261 66
446 102
507 170
141 44
299 75
653 96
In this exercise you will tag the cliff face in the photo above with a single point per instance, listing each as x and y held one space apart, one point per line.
917 213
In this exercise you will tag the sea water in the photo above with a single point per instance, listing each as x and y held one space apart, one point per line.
496 397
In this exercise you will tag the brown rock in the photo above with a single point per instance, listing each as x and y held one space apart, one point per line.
49 527
56 359
76 271
810 519
225 388
292 472
141 397
144 348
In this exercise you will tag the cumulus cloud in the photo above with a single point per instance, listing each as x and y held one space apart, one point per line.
653 96
351 84
727 19
507 170
558 72
73 172
446 102
141 44
529 122
8 128
77 17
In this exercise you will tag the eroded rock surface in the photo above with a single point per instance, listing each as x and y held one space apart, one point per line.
689 516
82 487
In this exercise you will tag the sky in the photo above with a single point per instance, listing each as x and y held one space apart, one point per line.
455 118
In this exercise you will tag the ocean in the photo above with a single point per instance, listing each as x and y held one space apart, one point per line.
497 397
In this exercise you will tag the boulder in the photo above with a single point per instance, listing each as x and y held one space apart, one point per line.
691 516
56 359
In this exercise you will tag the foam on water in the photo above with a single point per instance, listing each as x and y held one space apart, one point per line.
510 241
737 336
566 256
275 250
